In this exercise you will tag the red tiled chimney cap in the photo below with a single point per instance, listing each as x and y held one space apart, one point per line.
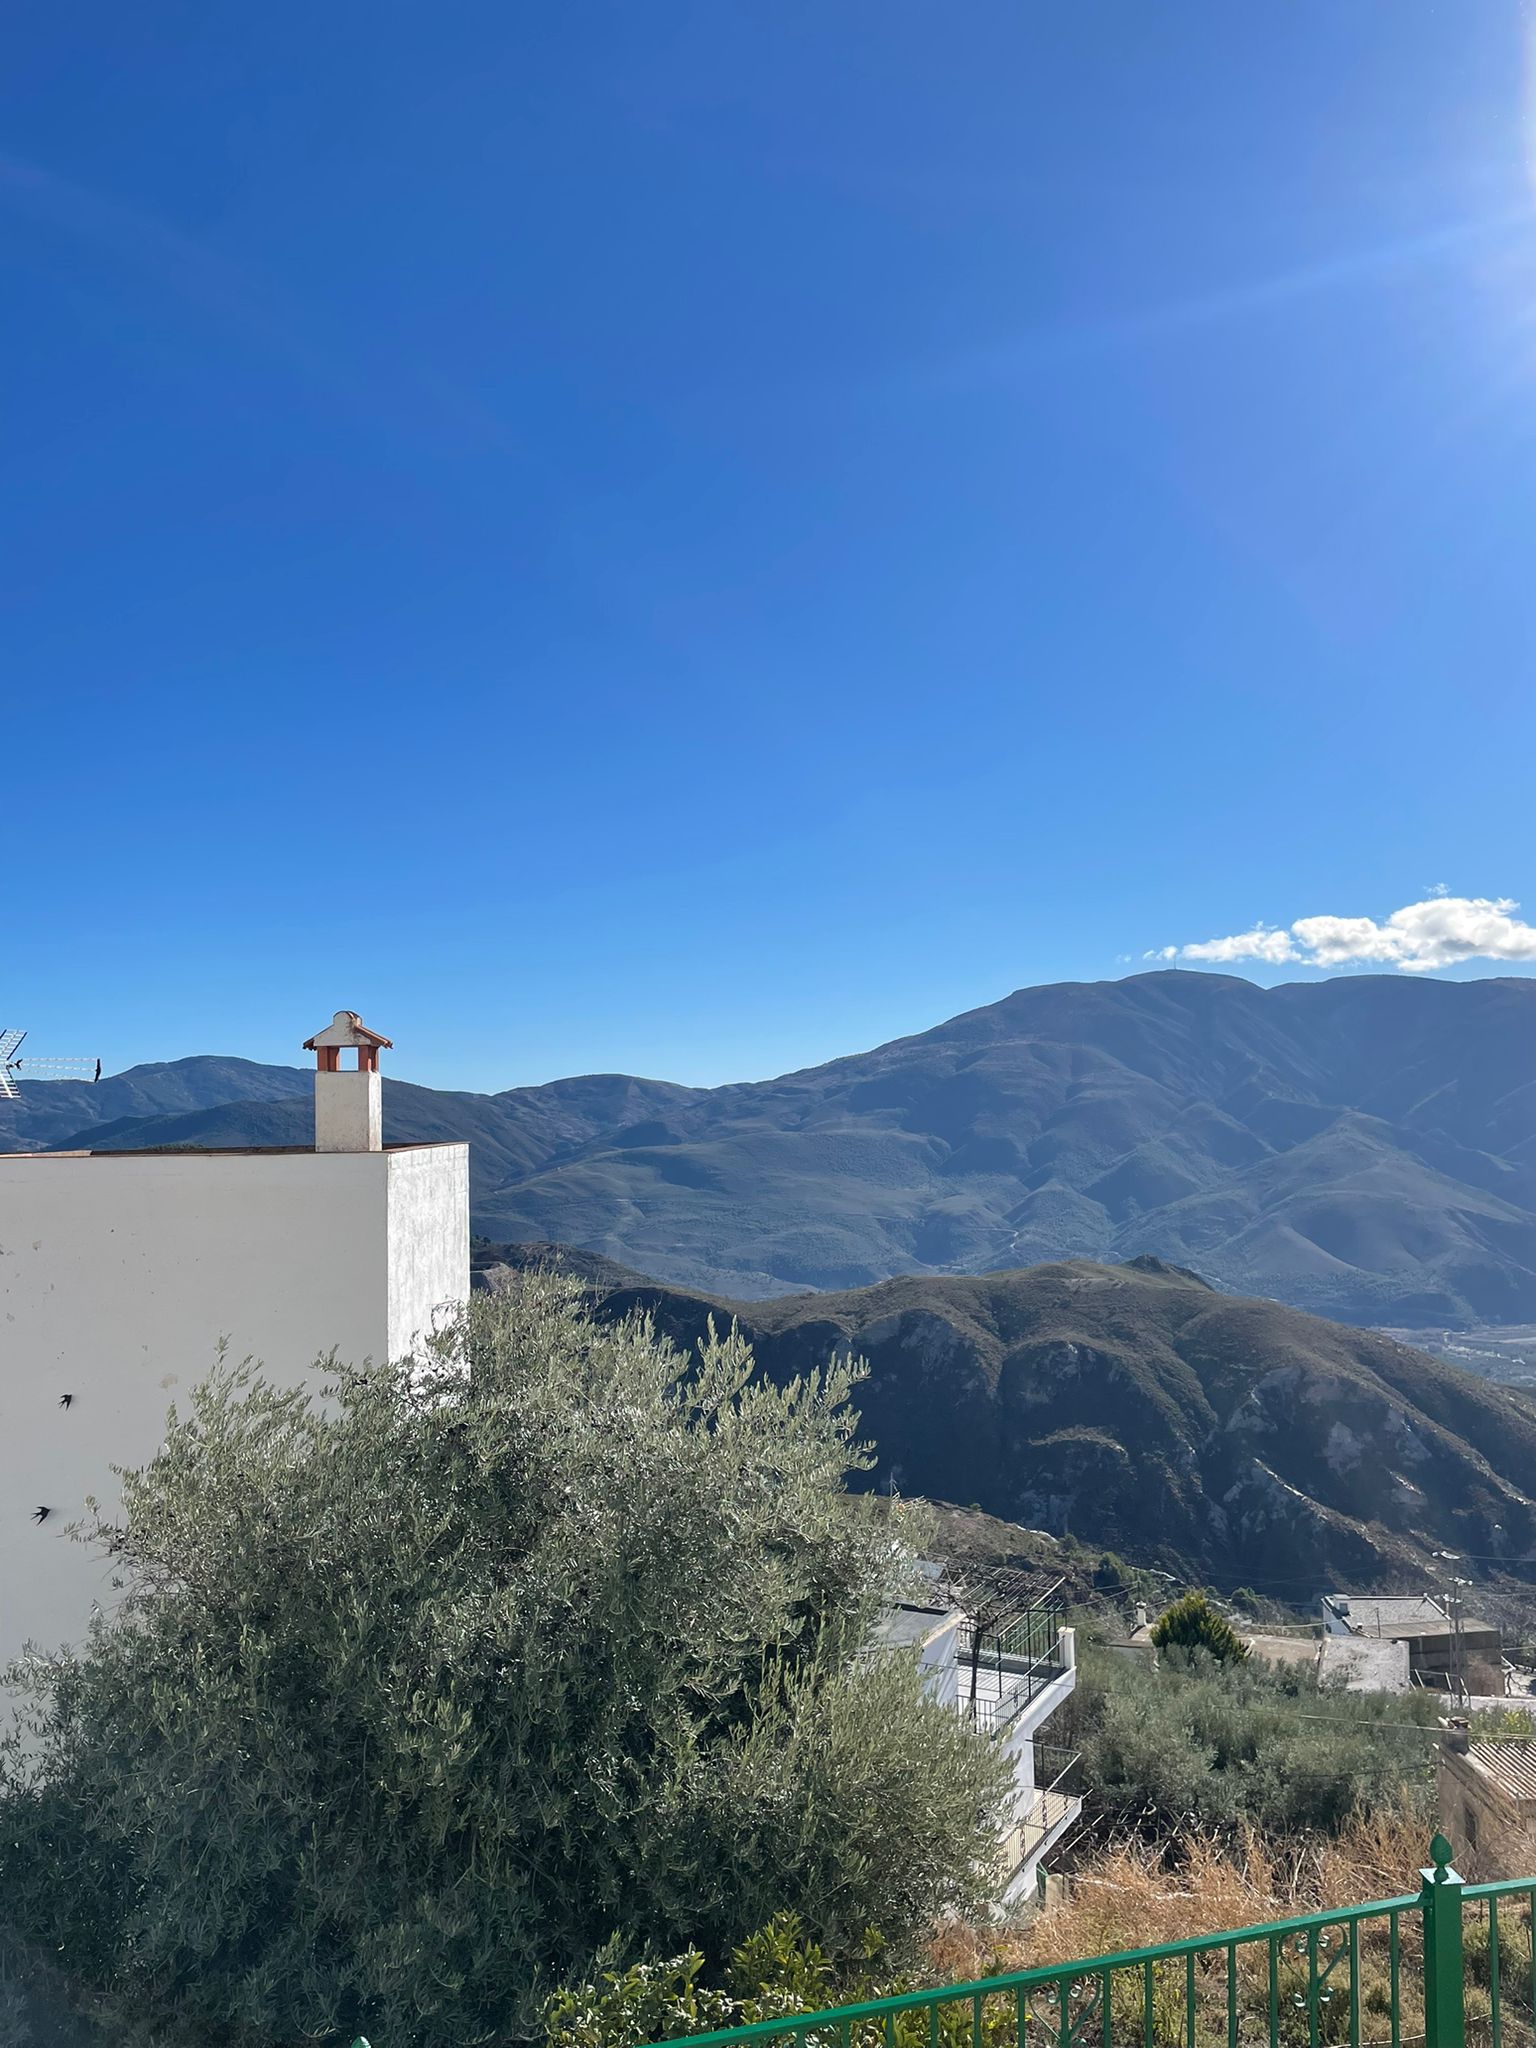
346 1028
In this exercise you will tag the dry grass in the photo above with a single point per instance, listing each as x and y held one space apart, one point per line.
1302 1990
1130 1897
1136 1897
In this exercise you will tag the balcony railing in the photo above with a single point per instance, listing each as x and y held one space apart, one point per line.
1043 1818
1002 1670
1430 1968
1045 1812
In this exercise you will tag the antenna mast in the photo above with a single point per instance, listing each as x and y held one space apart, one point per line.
14 1069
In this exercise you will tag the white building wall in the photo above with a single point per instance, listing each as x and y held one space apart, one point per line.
938 1658
121 1272
1017 1739
428 1250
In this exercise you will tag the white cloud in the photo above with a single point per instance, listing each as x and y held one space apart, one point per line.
1262 943
1439 932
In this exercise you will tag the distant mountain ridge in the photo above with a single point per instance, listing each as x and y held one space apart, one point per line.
1134 1408
1363 1147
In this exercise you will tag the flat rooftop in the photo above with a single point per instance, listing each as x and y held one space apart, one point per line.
1303 1650
909 1627
1366 1663
1389 1614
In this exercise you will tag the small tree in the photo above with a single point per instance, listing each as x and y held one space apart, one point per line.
1192 1623
422 1696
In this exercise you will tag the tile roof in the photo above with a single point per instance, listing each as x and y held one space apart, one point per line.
1511 1765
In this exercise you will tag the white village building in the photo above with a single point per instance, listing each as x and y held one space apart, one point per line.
1002 1653
1390 1642
121 1273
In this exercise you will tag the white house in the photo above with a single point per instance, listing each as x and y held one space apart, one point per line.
1007 1664
1389 1617
1415 1639
121 1272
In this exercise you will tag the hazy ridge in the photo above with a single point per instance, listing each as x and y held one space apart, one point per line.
1364 1147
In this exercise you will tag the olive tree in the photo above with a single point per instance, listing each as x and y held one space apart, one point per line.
421 1694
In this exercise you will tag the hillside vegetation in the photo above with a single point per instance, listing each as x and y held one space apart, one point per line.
1135 1409
1363 1147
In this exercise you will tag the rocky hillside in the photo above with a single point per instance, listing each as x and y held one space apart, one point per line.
1132 1407
1363 1147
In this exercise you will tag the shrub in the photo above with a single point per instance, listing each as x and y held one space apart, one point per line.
775 1972
620 2007
1192 1623
1224 1743
425 1695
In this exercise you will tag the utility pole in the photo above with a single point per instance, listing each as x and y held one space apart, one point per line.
1461 1643
1458 1645
1456 1676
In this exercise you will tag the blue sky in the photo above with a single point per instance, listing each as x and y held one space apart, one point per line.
695 538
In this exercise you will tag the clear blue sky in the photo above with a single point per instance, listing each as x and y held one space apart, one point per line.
696 537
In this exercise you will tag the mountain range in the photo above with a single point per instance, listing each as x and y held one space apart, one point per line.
1136 1409
1363 1147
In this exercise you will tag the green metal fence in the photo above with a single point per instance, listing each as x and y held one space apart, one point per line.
1448 1966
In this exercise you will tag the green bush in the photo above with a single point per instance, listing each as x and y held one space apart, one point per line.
778 1973
1192 1623
16 2029
424 1696
619 2007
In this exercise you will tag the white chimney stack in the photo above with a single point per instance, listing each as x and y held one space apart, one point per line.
348 1106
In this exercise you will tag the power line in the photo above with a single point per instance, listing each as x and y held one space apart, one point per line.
1368 1727
1253 1585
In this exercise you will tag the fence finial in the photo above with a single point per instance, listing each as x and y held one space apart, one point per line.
1445 2022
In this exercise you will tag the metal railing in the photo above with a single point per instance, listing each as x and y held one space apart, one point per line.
1498 1962
1437 1968
991 1713
1010 1667
1051 1805
1037 1631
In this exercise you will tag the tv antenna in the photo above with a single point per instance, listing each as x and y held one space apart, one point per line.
14 1069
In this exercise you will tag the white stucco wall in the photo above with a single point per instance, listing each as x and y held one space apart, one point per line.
427 1203
119 1274
938 1658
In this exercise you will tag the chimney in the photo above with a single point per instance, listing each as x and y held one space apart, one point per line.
1457 1734
348 1108
1141 1613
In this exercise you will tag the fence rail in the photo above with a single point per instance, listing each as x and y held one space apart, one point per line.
1448 1965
